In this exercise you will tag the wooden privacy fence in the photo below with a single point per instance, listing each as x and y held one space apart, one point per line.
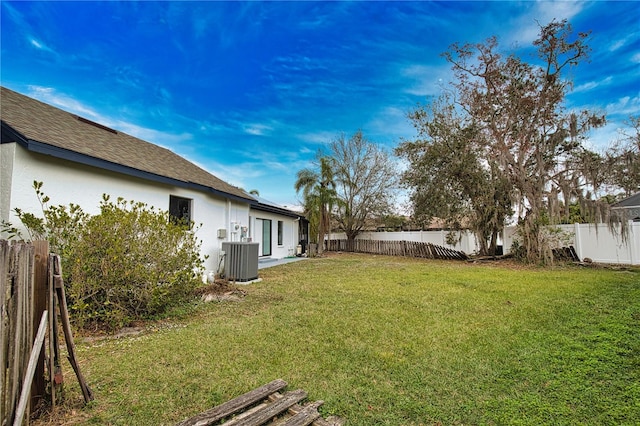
31 289
17 289
396 248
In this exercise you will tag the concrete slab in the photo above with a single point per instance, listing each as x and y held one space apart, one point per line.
268 263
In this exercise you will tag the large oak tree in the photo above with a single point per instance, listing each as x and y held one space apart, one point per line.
522 134
450 178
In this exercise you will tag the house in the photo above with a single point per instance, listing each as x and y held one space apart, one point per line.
79 160
265 217
631 205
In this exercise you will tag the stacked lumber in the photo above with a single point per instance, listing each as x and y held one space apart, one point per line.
263 406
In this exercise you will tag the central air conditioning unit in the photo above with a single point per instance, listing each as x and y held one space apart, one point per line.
240 261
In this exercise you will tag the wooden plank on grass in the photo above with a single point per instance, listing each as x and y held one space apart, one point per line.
233 406
259 417
305 416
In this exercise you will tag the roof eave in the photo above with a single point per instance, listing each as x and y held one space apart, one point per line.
9 134
69 155
272 209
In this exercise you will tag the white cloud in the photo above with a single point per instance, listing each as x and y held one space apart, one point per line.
238 174
257 129
426 80
67 103
617 113
527 26
392 122
50 96
40 45
593 84
626 106
319 138
36 43
624 41
600 139
156 137
549 10
211 128
617 45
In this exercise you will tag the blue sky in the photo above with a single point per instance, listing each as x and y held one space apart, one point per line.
251 90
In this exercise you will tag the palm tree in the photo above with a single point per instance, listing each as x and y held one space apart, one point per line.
319 196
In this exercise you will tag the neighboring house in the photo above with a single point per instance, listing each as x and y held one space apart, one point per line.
79 160
631 205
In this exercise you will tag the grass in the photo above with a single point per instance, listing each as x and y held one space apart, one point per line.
390 341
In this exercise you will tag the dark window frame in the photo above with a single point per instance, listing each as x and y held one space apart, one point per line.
180 210
280 232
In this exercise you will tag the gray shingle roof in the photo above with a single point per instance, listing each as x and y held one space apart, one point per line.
38 122
633 201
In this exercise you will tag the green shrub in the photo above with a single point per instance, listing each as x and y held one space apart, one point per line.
128 262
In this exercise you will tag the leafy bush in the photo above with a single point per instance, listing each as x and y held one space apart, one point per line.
128 262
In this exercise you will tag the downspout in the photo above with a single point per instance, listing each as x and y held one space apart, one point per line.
228 225
296 232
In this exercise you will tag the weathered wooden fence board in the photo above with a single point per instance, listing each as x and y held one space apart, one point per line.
396 248
5 295
16 324
40 304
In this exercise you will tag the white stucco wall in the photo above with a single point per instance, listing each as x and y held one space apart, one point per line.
290 238
67 182
7 153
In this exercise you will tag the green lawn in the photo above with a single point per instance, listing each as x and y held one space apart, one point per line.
390 341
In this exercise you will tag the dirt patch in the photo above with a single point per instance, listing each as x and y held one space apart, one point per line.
70 412
221 291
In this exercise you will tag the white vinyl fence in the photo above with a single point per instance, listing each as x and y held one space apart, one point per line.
598 243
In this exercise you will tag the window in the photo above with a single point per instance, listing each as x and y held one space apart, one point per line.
280 232
180 210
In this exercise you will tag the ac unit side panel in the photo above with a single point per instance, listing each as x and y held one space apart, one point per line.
241 261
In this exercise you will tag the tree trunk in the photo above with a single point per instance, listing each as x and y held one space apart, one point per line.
494 243
351 241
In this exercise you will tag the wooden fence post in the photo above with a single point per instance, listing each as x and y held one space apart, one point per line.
40 301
